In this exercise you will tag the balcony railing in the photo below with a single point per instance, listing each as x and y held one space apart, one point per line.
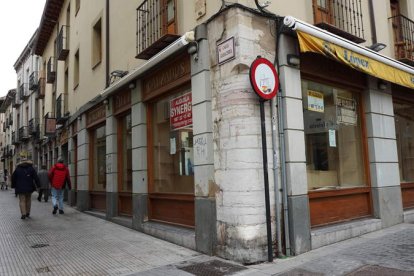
62 43
15 138
16 101
403 29
156 27
32 125
61 109
41 89
33 80
23 91
51 70
341 17
24 133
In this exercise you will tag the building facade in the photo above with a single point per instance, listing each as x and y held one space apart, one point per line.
163 132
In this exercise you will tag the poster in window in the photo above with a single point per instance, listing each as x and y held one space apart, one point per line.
346 111
315 101
181 114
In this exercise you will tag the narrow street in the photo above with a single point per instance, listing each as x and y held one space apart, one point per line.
80 244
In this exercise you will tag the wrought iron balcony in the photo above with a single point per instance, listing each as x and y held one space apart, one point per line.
16 101
403 29
15 138
62 43
156 27
41 89
51 70
23 91
33 80
341 17
33 123
61 109
24 133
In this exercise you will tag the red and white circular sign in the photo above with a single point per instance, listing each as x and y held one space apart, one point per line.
264 78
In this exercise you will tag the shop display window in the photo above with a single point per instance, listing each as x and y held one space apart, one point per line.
172 144
333 137
99 159
404 129
126 146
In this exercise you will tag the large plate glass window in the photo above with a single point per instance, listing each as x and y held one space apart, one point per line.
404 128
172 143
333 137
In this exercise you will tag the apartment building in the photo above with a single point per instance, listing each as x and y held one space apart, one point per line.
151 105
7 149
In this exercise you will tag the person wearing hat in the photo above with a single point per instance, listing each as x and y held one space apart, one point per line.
59 177
25 181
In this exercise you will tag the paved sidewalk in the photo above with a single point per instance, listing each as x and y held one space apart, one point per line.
79 244
76 243
388 252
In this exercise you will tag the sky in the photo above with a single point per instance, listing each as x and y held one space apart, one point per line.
19 19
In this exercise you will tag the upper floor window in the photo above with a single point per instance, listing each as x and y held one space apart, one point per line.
97 43
76 70
77 7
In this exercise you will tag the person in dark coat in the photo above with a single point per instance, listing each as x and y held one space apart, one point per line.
25 181
44 184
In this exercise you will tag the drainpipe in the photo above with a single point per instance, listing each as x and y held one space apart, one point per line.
372 22
277 125
277 104
107 44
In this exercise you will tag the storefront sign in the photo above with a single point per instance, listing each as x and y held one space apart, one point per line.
315 101
263 78
370 66
95 116
169 76
225 51
181 112
122 101
50 126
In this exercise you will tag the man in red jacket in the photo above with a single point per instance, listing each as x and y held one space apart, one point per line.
59 177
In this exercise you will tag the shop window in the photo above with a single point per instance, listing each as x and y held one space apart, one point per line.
333 137
99 159
126 147
404 128
172 145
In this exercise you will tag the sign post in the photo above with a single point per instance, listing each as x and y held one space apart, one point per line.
265 82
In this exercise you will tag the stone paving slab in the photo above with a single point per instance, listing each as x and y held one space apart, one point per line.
76 244
79 244
377 253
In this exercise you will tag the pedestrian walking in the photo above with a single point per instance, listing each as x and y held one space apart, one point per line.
2 180
25 181
44 184
59 177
